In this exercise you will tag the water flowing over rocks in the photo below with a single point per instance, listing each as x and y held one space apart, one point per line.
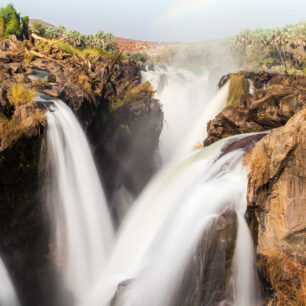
276 104
90 87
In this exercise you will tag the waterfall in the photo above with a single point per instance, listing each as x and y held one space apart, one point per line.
8 296
189 100
148 260
82 224
163 228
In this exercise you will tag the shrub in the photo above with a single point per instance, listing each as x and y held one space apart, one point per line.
64 46
25 26
38 28
20 94
136 93
139 56
236 89
11 23
27 58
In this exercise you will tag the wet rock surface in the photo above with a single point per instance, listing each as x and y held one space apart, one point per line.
207 278
276 104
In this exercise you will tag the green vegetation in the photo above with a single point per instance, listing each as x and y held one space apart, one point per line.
134 94
75 39
138 57
12 23
20 94
38 28
236 89
281 48
85 53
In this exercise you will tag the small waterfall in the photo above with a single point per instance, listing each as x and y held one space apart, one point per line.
189 101
162 230
8 296
82 224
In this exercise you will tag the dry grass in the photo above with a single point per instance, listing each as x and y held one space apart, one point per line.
288 279
258 162
136 93
10 130
20 94
85 84
96 52
27 58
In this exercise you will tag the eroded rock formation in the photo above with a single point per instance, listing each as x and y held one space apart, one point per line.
275 103
276 199
257 102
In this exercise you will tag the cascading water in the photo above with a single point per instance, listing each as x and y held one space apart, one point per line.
163 228
147 263
189 101
8 296
82 224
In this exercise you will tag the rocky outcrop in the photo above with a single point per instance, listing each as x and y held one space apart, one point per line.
276 199
275 104
207 279
126 148
257 102
90 86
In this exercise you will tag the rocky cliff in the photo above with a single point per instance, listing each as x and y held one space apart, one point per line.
112 106
276 199
275 103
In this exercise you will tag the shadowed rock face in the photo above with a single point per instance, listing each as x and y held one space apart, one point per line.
126 146
275 100
207 279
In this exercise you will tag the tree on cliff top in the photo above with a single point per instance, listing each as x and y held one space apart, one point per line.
12 23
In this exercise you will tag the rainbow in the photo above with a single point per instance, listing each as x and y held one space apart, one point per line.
181 8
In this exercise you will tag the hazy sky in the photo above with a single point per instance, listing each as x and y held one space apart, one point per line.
164 20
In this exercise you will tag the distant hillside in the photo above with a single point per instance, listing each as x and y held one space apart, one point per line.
138 46
44 23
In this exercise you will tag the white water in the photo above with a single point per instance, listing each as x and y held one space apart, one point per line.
189 101
82 224
160 233
8 296
162 230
